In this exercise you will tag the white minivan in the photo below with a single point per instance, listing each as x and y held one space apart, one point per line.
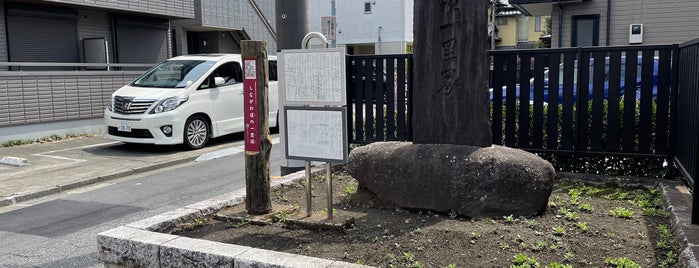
184 100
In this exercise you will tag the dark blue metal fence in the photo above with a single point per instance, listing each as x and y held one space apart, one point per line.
379 89
598 100
687 124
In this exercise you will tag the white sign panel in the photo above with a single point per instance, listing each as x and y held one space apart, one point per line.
328 26
313 76
316 133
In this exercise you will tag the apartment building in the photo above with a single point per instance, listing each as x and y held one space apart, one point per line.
616 23
365 26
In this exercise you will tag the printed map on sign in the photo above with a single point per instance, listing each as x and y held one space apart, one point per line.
313 76
316 134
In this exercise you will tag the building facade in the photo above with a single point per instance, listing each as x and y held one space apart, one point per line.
515 30
366 26
616 23
60 60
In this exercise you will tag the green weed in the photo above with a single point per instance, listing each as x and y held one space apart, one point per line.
621 212
622 262
559 231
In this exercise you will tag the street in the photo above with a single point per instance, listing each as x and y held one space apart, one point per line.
60 230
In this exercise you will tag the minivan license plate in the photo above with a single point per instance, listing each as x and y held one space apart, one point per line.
124 127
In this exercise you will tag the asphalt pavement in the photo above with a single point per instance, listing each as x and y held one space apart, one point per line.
58 166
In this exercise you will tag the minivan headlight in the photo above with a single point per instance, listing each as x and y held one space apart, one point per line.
170 104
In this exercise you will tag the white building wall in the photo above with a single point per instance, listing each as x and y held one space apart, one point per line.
391 20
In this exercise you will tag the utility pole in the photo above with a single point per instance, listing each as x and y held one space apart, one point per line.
292 26
492 24
333 13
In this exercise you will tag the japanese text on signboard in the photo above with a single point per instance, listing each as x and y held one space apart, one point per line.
251 118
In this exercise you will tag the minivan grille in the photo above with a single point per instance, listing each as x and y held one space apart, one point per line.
129 105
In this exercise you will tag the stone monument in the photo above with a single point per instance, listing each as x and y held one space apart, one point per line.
452 165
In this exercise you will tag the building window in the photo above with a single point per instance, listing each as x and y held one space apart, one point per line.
367 7
537 24
585 31
523 29
500 21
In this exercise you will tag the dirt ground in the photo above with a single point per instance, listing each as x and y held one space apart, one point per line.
584 226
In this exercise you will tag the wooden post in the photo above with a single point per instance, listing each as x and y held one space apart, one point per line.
451 68
258 143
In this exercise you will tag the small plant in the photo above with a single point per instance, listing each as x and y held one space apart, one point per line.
509 219
559 231
586 207
451 265
563 211
195 223
416 231
655 212
553 246
574 193
475 235
569 256
522 260
621 212
453 214
391 257
325 211
582 226
350 189
558 265
283 216
539 246
504 246
622 262
531 223
669 259
665 231
408 256
571 216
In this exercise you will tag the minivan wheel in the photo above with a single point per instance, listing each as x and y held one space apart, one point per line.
196 132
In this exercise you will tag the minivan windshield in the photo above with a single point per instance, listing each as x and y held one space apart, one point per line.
174 74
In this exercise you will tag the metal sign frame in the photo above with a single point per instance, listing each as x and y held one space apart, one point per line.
332 74
334 150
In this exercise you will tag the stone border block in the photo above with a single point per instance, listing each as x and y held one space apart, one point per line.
263 258
189 252
167 221
131 247
215 204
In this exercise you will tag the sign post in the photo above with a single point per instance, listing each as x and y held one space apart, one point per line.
258 143
313 94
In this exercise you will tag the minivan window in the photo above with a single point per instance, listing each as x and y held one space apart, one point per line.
174 74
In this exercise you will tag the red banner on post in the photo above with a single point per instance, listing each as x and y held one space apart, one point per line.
250 115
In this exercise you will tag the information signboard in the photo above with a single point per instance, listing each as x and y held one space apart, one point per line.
316 133
313 77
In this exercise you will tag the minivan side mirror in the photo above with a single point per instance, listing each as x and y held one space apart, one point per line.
219 81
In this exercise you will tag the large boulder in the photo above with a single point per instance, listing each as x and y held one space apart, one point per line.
471 181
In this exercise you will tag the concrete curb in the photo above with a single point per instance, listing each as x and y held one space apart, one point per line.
144 243
14 199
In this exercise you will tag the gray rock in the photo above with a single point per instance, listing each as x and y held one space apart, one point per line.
471 181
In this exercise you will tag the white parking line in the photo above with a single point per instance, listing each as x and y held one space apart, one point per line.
226 152
46 154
